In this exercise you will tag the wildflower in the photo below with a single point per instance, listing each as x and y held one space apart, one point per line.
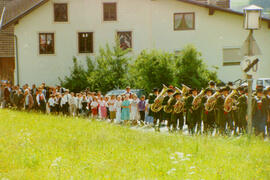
175 162
191 173
56 162
180 154
192 167
171 171
188 155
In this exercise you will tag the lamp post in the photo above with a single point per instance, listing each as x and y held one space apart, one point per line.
252 22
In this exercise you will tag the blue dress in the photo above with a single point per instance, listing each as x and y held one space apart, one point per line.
125 114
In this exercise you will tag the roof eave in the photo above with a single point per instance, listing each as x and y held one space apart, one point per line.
2 17
13 20
209 6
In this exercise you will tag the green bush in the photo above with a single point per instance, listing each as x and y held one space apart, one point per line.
114 68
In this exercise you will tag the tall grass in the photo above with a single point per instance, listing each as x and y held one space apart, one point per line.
34 146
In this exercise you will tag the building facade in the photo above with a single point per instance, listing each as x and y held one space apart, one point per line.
57 30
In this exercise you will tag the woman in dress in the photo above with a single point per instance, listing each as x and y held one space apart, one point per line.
118 105
125 115
103 108
134 115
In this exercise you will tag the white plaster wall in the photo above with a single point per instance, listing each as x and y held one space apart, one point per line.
151 22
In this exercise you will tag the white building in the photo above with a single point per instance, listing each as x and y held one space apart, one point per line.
50 32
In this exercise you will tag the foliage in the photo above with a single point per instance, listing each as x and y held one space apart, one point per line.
106 71
190 69
35 146
77 78
152 69
111 69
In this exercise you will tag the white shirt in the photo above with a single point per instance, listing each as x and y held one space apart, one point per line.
51 102
112 105
39 96
94 104
65 99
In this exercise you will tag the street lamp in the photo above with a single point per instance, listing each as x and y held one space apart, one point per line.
252 22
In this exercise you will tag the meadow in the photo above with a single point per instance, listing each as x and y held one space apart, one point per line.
35 146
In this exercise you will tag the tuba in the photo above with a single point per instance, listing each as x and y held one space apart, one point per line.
179 105
157 105
211 102
197 100
229 101
169 108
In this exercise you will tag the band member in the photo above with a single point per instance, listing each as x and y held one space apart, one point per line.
222 116
156 115
212 86
192 116
167 102
242 109
208 116
260 113
177 114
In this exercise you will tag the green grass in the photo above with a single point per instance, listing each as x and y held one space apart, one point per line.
34 146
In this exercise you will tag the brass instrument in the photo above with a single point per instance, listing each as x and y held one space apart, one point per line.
197 100
211 102
169 108
157 105
229 101
179 105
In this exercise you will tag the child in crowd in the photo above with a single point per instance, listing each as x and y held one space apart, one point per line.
51 104
118 106
84 105
102 108
112 108
141 108
94 108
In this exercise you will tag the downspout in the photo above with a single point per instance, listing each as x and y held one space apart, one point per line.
16 59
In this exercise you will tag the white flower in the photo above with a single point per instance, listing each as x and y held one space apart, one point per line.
191 173
188 155
175 162
172 157
171 171
192 167
56 162
180 154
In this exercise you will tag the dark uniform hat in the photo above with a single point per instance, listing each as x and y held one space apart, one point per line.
170 90
175 94
155 89
212 83
230 83
226 88
209 89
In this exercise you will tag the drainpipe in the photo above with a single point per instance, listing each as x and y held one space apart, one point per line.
16 59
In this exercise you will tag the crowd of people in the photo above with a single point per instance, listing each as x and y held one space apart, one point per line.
219 109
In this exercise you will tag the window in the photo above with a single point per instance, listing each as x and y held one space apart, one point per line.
46 43
184 21
125 39
85 42
60 12
109 12
231 56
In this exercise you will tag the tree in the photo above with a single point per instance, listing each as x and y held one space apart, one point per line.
77 78
190 69
111 69
152 69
